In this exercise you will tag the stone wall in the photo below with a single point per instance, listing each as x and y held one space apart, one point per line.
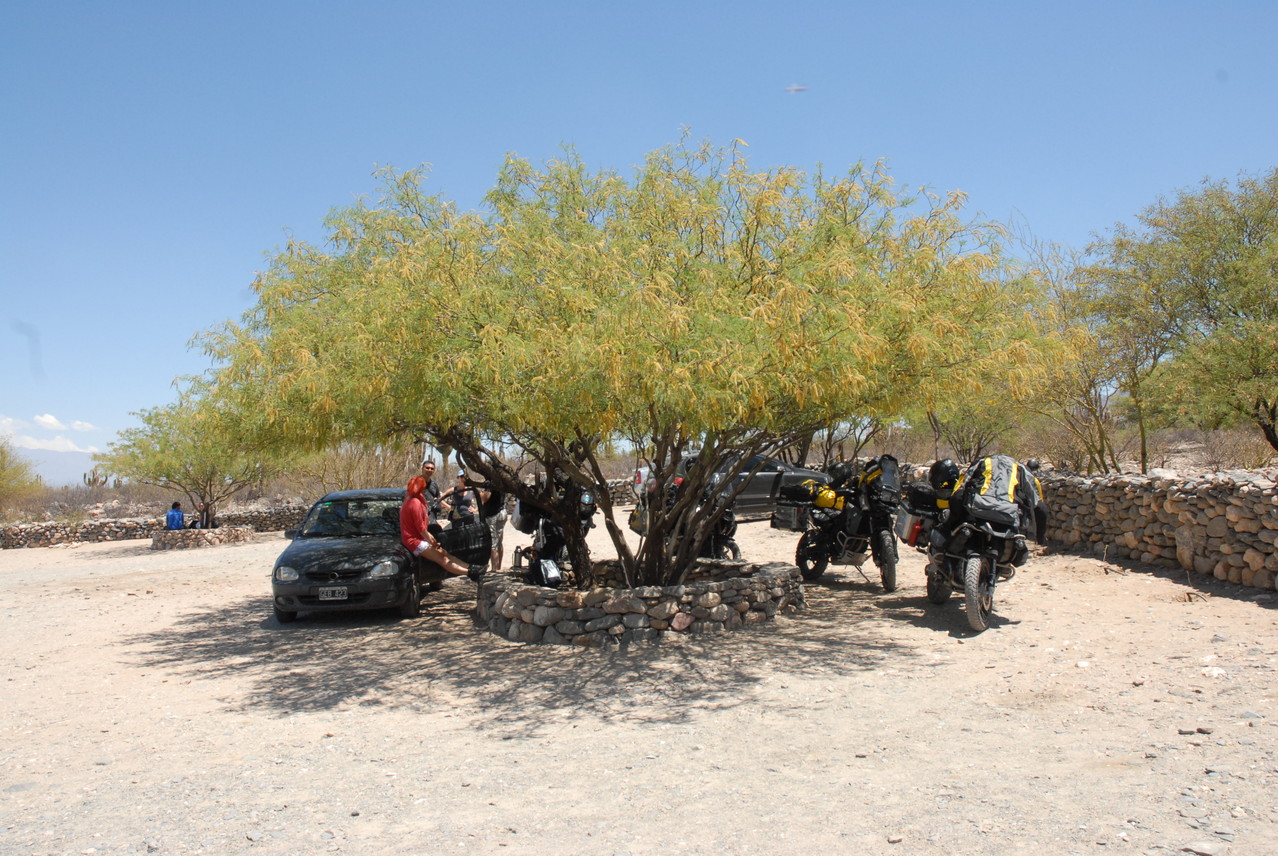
129 528
1222 524
187 539
522 613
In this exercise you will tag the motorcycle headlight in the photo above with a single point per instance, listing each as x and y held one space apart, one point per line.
285 574
382 570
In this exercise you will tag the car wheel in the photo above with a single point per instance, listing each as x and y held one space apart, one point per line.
412 605
284 616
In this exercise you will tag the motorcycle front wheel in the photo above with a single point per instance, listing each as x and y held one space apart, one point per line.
811 557
727 549
887 558
978 589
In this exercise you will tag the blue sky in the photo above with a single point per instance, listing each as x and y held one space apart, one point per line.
152 154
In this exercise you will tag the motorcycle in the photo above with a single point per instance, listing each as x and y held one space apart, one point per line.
972 555
547 557
847 524
722 542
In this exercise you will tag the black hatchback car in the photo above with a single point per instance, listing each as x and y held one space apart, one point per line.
348 555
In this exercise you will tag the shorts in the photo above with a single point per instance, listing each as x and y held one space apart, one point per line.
496 525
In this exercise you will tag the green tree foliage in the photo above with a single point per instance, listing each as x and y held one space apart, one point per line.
695 305
18 479
356 465
192 446
1194 283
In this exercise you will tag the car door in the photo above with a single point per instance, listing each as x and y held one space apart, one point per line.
759 492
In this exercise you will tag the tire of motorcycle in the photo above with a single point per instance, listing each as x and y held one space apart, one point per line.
978 589
886 558
938 590
811 557
727 549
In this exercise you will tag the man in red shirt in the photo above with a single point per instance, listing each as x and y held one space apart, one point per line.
415 533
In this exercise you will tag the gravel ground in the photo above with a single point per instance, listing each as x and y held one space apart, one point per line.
151 705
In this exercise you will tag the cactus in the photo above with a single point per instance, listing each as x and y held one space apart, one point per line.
94 478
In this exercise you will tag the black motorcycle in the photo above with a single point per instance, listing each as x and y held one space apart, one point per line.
721 544
971 556
547 557
849 520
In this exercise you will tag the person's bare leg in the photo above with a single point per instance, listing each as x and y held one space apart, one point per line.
446 561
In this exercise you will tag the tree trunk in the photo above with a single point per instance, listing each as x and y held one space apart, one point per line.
1266 416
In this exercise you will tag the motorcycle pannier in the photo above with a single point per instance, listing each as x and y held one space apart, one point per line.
920 498
990 492
525 518
791 517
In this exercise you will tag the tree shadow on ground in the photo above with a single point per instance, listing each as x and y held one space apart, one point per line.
329 661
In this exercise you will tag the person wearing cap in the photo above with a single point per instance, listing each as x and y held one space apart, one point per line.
414 532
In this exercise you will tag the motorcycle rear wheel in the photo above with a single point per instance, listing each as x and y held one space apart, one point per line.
887 558
938 590
978 590
811 557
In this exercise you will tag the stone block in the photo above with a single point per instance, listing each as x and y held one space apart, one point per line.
663 610
545 616
602 623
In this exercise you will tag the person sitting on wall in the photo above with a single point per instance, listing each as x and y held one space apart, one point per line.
175 519
203 518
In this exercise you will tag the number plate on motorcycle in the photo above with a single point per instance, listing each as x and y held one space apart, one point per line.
333 593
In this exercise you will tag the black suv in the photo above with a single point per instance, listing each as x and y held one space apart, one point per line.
761 491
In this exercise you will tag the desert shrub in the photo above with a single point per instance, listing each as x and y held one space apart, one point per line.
1237 448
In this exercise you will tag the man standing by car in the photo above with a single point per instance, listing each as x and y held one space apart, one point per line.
414 532
431 494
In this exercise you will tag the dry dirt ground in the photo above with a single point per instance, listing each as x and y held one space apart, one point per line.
151 704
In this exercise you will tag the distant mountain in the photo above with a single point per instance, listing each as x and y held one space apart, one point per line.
59 468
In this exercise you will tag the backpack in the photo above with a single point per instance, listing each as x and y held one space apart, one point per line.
1000 490
495 505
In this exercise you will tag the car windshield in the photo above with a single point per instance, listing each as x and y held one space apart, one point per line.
343 518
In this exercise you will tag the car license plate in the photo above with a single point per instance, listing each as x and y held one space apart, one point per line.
333 593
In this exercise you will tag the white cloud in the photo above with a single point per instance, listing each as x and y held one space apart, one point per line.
57 444
77 425
9 425
49 421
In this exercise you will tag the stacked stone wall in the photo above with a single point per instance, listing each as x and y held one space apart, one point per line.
188 539
131 528
604 616
1222 524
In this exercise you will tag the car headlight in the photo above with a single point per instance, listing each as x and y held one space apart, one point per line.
383 569
285 574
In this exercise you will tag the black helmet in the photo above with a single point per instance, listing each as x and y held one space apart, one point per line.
840 473
1032 465
944 474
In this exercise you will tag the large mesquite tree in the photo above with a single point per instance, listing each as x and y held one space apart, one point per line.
694 305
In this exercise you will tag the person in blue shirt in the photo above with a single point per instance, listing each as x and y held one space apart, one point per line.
175 519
